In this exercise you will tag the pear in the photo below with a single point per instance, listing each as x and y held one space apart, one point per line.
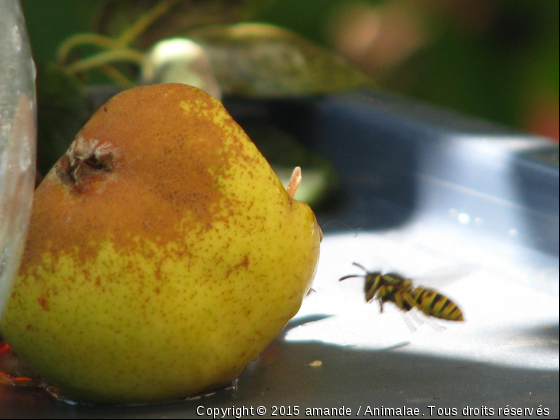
163 254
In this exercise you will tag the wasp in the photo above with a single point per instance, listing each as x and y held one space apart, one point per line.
393 287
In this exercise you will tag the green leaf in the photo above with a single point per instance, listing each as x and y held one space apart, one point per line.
259 60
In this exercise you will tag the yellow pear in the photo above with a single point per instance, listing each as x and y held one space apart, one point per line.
163 254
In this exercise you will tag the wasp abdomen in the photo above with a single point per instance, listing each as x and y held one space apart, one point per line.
437 305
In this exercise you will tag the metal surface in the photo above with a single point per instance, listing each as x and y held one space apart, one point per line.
424 191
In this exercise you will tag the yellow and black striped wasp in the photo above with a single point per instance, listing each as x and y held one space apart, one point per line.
393 287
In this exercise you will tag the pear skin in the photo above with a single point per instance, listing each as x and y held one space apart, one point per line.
163 254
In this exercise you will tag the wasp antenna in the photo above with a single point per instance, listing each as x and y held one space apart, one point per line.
359 265
348 276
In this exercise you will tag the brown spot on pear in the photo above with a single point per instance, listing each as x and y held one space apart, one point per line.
163 254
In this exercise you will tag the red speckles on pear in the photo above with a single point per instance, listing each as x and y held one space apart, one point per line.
165 146
43 302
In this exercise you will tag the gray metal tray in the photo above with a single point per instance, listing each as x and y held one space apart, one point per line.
434 195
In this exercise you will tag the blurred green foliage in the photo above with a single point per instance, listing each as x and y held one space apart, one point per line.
114 15
507 71
62 110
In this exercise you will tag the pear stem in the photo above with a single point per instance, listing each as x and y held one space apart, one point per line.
294 181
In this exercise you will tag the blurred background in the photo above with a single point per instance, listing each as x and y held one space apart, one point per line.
495 59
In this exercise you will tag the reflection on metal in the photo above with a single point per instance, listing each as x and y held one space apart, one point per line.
503 296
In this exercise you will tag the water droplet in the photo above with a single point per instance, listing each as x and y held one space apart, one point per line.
54 392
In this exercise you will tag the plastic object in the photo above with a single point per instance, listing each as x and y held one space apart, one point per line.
17 141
